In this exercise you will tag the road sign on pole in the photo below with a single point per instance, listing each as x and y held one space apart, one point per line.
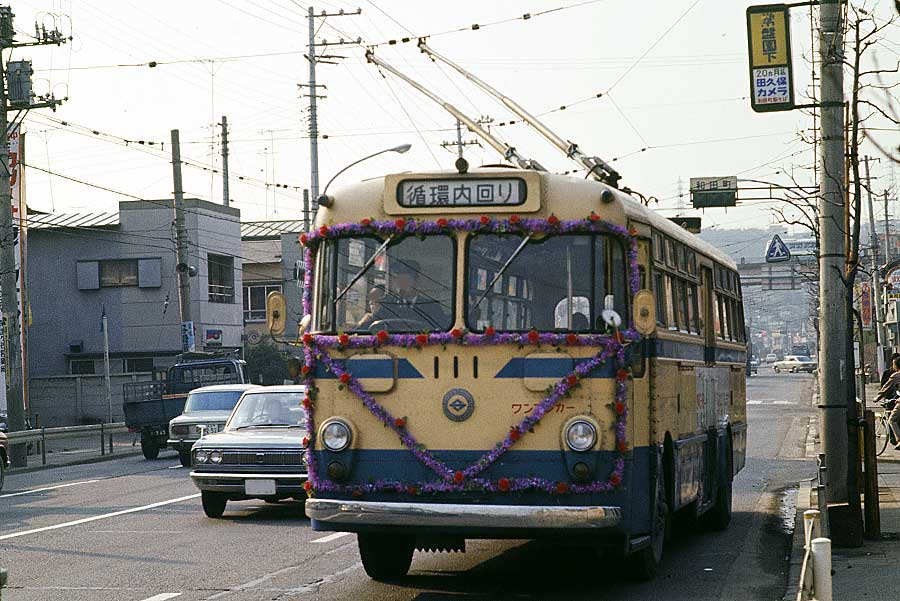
709 192
771 77
777 251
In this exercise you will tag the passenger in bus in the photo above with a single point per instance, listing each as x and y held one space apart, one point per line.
407 303
373 307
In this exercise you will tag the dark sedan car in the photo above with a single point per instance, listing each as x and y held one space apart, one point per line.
259 454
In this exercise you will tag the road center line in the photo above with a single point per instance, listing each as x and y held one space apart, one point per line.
34 490
330 537
99 517
162 597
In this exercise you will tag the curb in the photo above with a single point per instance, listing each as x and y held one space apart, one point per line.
804 494
98 459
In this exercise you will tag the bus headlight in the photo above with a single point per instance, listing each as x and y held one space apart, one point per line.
336 436
581 435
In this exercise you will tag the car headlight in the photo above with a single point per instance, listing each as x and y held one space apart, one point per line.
201 456
179 430
581 435
215 457
336 436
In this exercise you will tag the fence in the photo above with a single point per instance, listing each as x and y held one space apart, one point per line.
98 437
76 400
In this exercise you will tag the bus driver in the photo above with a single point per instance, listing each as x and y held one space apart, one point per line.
406 303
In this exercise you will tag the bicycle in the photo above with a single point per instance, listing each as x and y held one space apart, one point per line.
883 433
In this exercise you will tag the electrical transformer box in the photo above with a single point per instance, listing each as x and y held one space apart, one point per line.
18 83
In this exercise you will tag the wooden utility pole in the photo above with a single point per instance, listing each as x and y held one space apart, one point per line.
183 267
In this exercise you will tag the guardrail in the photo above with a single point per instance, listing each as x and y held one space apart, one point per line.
815 574
103 432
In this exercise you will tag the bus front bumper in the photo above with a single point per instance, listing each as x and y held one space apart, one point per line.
453 515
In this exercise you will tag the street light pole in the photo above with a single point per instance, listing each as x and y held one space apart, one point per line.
325 201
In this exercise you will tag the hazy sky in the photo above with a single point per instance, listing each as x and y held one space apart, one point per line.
685 102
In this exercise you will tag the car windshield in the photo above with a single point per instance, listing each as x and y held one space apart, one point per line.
803 358
267 409
214 400
406 287
577 276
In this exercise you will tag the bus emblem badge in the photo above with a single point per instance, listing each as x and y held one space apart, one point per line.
458 405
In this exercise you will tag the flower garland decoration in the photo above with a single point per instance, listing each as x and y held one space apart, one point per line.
610 347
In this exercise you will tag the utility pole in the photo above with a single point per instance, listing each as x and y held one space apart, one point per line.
21 99
306 210
887 230
459 143
225 198
105 325
183 267
313 94
876 280
834 358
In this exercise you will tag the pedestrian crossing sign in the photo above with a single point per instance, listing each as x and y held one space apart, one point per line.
777 251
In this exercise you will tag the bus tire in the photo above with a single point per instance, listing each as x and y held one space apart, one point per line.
385 556
213 503
719 516
644 564
149 448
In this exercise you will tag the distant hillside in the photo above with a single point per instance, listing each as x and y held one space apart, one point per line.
749 244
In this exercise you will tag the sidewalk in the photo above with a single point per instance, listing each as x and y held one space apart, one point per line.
868 572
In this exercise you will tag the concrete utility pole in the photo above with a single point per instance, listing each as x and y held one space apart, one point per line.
183 267
225 198
876 279
887 230
306 221
21 98
833 323
105 325
459 143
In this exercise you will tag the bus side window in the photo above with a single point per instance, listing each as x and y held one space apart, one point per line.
660 291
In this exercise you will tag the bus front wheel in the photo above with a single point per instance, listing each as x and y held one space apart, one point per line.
385 556
644 564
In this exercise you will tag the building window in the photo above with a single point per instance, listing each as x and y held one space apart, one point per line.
139 364
255 296
81 367
221 278
119 272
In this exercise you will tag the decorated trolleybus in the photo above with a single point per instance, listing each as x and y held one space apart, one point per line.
506 353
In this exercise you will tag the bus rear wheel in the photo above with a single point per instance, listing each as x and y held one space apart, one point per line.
644 564
385 556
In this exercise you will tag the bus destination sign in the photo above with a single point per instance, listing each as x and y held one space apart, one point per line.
480 192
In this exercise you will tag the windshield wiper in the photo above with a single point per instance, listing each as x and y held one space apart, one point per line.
503 269
261 426
365 267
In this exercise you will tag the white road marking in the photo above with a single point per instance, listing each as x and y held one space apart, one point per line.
34 490
162 597
330 537
98 517
783 403
754 402
175 467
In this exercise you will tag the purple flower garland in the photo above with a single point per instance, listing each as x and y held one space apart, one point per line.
611 347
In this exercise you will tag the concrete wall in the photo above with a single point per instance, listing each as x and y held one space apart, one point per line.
76 400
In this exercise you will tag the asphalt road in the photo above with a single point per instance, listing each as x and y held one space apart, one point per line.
133 530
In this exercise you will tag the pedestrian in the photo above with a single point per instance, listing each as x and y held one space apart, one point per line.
890 369
294 365
889 392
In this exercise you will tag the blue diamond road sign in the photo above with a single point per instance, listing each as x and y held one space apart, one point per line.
777 251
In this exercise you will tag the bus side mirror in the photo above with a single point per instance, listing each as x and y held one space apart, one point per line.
304 324
276 313
644 312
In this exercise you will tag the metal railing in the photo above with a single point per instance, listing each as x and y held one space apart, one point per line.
103 432
815 574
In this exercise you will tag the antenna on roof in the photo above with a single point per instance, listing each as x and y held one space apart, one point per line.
597 168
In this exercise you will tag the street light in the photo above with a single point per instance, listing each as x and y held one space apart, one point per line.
325 201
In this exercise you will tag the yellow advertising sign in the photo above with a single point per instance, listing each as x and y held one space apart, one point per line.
768 38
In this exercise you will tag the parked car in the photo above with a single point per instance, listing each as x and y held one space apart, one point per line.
4 457
752 366
259 454
205 411
771 358
795 363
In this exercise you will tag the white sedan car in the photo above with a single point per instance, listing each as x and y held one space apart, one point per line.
795 363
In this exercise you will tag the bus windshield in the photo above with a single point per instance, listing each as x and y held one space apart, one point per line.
559 283
408 287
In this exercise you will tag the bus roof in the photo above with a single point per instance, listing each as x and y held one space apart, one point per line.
366 199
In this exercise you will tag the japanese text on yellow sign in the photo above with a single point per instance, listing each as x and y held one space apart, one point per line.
768 38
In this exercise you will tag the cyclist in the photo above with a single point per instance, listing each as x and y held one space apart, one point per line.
889 391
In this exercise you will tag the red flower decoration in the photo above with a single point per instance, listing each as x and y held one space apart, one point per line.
562 488
615 480
400 223
622 446
534 337
357 493
458 477
400 422
413 490
323 230
304 369
307 339
620 408
382 335
514 219
489 331
307 403
421 339
305 441
503 484
572 379
303 239
553 220
307 486
442 221
594 216
484 219
632 231
571 339
343 339
456 333
514 435
622 374
365 221
620 337
345 378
